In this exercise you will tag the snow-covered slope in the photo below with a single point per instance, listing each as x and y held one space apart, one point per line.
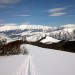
33 37
65 32
8 27
5 39
49 40
25 27
16 31
68 26
17 65
51 62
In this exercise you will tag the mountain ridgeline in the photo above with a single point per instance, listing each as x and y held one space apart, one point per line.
66 32
57 38
14 48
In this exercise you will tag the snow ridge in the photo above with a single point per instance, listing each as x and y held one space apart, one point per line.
65 32
22 27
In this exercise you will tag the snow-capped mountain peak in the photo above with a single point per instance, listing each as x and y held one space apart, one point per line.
68 26
23 27
65 32
8 27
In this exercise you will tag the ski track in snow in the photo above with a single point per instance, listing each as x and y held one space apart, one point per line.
52 62
40 61
17 65
27 67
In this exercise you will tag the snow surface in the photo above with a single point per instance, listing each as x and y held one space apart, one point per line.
8 27
22 27
2 37
49 40
35 37
5 38
66 32
40 61
69 29
68 26
52 62
17 65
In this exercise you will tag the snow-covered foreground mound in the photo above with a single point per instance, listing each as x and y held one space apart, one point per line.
50 62
17 65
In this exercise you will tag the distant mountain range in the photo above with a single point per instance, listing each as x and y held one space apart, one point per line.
59 38
65 32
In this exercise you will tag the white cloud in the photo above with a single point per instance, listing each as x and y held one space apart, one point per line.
8 1
21 15
57 14
56 10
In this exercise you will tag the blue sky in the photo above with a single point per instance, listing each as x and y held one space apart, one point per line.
38 12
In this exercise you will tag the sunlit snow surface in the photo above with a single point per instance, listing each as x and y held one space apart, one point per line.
8 27
39 61
50 62
49 40
17 65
